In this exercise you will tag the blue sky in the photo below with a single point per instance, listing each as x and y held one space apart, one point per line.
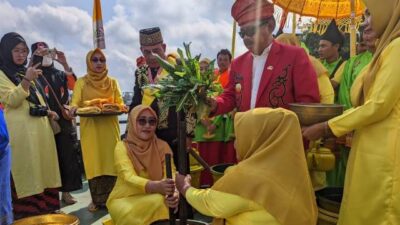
67 25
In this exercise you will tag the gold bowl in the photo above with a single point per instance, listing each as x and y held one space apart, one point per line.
312 113
49 219
217 171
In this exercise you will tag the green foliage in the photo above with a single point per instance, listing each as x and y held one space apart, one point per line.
185 87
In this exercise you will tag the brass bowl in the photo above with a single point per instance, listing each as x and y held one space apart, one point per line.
312 113
53 219
217 171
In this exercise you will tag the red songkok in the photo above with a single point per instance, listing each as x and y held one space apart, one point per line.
245 11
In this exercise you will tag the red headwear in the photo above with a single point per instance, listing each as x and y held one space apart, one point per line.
245 11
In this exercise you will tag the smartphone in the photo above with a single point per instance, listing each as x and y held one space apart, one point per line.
37 59
53 53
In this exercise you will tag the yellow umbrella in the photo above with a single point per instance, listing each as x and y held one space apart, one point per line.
330 9
327 9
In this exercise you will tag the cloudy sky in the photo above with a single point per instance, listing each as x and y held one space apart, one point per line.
67 25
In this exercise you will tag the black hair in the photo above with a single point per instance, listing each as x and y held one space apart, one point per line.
225 52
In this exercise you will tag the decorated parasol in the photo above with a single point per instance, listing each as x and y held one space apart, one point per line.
327 9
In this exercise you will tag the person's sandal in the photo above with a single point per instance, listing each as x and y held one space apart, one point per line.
68 199
92 207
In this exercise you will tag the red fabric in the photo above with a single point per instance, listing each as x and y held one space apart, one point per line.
245 11
215 153
39 204
229 153
140 61
71 79
288 77
211 152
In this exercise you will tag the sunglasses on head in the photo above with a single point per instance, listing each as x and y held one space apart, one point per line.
150 120
96 60
251 30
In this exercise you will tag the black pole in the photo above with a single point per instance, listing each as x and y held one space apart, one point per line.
183 165
172 218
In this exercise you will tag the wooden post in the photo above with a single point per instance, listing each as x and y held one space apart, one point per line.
294 23
353 29
233 39
183 165
172 218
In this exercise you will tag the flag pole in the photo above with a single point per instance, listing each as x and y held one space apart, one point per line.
98 30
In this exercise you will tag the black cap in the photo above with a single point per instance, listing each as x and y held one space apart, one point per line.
37 44
150 36
333 34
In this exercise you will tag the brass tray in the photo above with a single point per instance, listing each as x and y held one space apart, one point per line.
99 114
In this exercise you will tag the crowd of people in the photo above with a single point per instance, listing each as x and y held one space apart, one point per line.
250 125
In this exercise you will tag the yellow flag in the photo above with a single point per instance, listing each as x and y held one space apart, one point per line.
98 30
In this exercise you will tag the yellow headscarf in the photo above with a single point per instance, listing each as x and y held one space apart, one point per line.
99 85
288 39
386 24
273 171
291 39
146 155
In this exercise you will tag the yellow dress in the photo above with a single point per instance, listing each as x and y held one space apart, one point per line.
34 156
235 209
372 183
98 134
326 92
128 203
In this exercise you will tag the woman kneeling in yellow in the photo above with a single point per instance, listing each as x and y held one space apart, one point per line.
270 185
138 197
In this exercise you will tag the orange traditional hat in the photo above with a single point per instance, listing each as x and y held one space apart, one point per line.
245 11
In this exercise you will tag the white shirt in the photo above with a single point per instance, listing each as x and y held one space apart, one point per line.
258 68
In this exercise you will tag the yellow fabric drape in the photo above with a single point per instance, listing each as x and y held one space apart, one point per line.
149 154
386 24
273 166
99 84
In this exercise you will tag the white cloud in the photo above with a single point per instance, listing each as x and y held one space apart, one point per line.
70 29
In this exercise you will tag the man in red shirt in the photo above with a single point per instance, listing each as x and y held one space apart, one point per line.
269 74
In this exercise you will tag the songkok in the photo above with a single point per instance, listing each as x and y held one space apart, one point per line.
150 36
245 11
333 34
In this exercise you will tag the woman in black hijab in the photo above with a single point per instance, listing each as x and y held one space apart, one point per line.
67 141
35 172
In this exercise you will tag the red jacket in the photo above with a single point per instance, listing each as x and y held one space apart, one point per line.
288 77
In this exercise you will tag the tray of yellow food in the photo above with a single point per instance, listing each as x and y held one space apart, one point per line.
101 107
